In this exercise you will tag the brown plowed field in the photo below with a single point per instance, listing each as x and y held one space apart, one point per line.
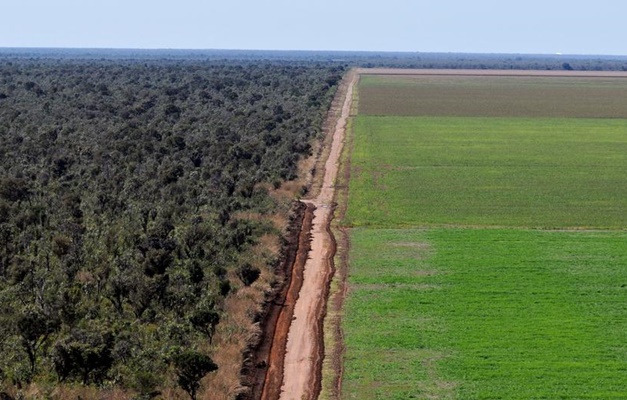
491 72
551 94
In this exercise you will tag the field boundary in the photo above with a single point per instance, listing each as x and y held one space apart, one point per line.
333 367
259 359
276 355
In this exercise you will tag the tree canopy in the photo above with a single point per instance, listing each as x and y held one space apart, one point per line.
123 186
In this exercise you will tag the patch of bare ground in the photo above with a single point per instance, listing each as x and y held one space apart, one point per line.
305 345
272 326
283 311
317 165
249 308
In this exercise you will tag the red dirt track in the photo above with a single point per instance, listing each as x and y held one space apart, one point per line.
295 361
274 373
304 350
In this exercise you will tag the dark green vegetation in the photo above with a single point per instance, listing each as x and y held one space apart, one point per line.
452 292
122 186
494 96
190 369
489 171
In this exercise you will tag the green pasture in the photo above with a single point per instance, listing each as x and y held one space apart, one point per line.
486 314
545 173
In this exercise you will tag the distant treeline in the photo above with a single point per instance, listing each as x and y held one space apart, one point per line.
123 186
344 58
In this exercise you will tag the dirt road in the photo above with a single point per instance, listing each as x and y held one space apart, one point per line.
304 350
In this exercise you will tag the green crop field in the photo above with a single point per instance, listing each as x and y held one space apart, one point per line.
413 171
488 254
486 314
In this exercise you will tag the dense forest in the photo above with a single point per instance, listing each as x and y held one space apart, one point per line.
136 198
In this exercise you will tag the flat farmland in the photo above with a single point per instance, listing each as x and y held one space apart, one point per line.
547 173
488 255
486 314
494 96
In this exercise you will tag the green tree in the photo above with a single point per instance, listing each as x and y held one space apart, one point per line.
14 189
191 367
205 320
34 329
85 355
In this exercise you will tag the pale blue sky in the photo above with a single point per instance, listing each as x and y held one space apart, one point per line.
485 26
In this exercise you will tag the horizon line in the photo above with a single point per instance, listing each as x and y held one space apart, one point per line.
181 49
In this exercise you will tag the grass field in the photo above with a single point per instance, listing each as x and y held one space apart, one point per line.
493 96
486 314
488 171
488 254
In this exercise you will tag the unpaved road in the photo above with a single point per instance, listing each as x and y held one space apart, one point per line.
304 352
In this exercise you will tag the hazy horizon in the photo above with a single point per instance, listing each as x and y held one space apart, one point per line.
481 27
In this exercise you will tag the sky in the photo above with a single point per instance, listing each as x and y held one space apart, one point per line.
479 26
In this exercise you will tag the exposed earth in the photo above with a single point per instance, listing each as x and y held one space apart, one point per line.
295 360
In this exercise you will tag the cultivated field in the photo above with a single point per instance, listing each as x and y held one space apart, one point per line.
415 171
488 240
486 314
494 96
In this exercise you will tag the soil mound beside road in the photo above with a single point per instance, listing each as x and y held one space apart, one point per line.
304 351
294 363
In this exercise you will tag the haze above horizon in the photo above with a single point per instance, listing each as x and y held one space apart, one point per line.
483 26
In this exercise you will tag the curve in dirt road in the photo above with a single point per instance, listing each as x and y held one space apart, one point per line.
304 349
